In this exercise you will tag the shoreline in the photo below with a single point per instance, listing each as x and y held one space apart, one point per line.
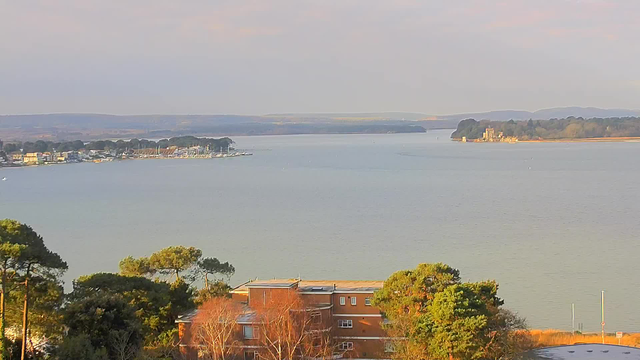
578 140
603 139
115 159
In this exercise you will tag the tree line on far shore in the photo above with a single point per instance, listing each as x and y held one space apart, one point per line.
119 145
567 128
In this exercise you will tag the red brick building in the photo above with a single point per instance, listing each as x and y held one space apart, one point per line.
341 308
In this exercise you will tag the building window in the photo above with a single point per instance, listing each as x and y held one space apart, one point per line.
316 318
353 300
367 301
346 345
203 354
316 340
388 347
250 332
251 355
343 301
345 324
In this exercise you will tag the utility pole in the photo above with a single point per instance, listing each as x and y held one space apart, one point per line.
602 311
573 319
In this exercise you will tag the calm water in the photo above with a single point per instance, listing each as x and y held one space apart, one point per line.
553 223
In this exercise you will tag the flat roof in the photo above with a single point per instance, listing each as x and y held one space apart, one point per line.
273 283
314 285
340 285
585 351
247 316
187 317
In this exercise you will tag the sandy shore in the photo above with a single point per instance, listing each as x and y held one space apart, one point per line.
603 139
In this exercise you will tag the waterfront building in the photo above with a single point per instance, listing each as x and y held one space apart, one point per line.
34 158
48 156
489 135
343 310
155 152
68 156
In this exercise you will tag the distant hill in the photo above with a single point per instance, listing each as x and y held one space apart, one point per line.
355 116
499 115
100 126
545 114
103 126
589 112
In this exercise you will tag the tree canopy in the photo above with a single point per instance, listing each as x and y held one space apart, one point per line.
79 347
107 320
10 253
213 266
567 128
457 321
120 145
150 299
436 316
26 257
131 266
174 260
178 261
108 316
411 291
156 304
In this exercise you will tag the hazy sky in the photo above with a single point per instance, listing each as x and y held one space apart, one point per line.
267 56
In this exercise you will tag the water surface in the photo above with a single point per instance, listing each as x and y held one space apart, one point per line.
554 223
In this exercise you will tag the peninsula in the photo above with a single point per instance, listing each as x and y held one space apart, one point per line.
48 152
566 129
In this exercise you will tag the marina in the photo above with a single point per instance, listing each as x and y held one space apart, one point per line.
20 157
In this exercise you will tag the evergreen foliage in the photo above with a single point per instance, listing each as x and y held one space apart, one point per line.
567 128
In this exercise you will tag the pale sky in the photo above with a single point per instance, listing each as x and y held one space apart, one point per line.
271 56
